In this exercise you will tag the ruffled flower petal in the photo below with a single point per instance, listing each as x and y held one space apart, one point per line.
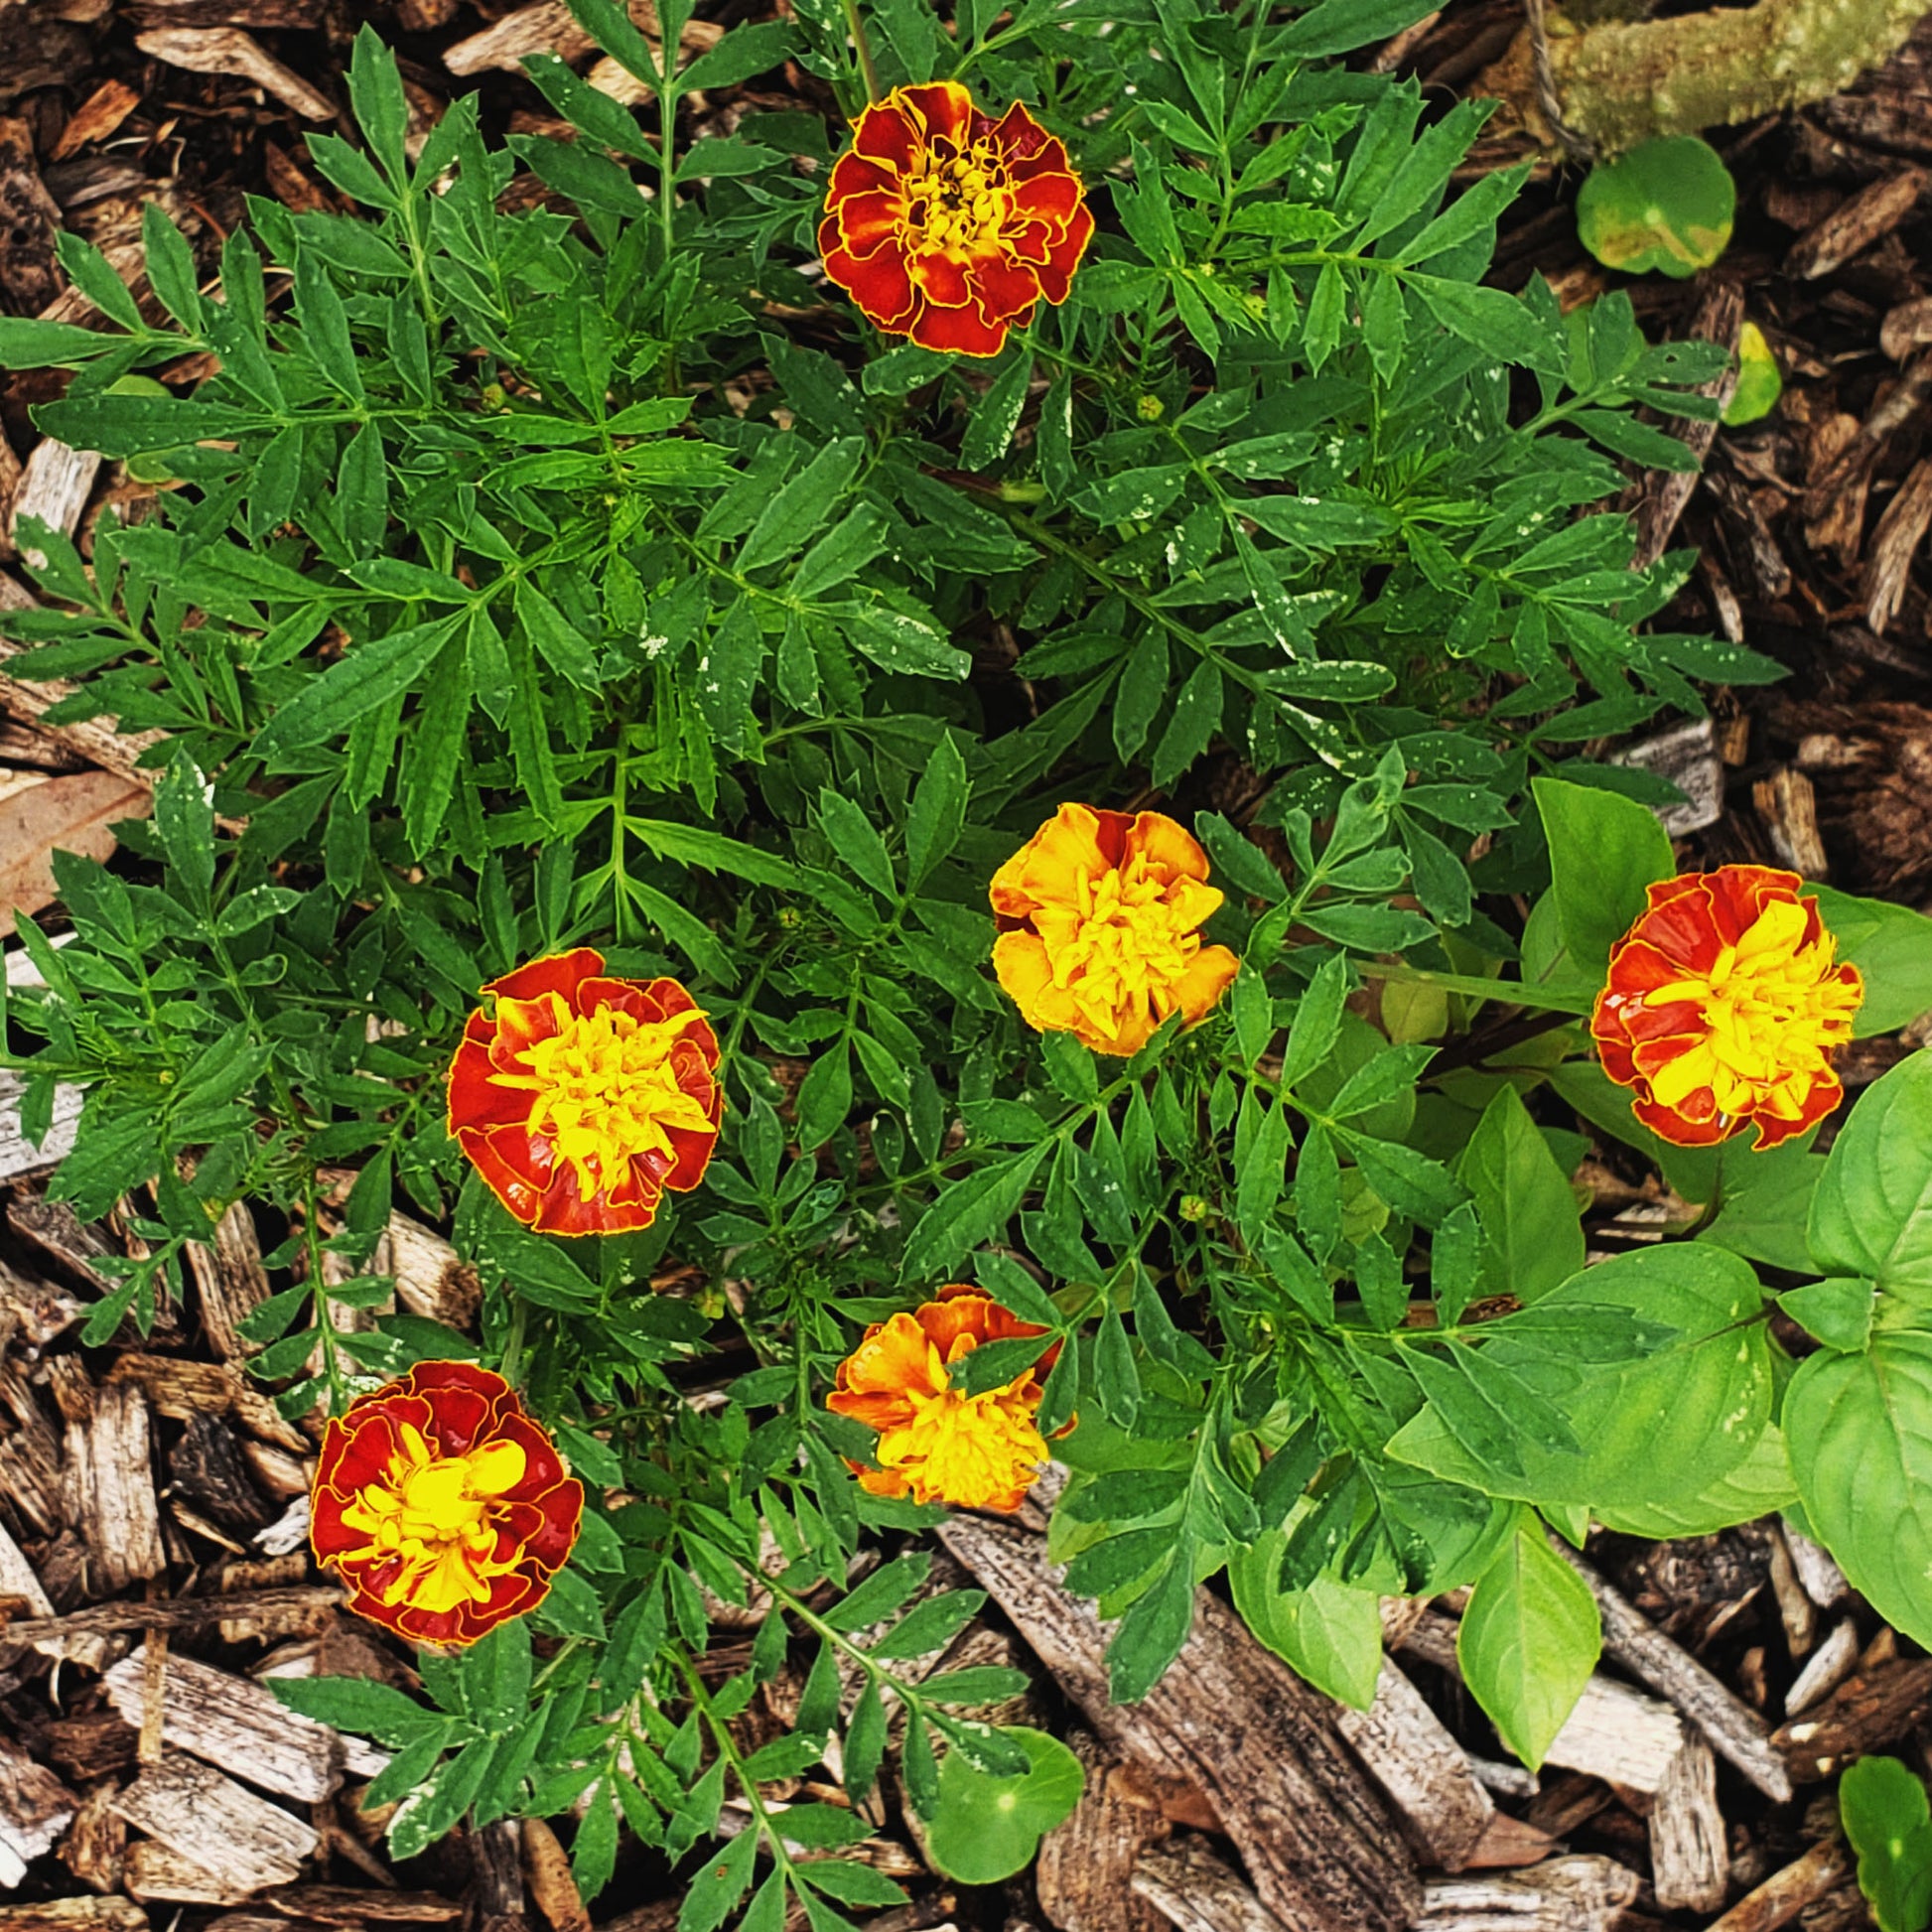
1102 915
937 1444
441 1505
1723 1006
947 227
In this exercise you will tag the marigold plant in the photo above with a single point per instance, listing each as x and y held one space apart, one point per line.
580 1098
1044 781
1724 1006
441 1505
1100 916
935 1442
948 226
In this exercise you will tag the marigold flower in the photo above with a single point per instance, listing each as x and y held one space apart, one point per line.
978 1451
948 226
1722 1009
1099 917
441 1506
579 1099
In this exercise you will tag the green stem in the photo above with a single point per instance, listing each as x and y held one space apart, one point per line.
875 94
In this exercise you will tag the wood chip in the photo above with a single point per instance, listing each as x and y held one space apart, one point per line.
1823 1580
1687 757
110 1490
1781 1897
1086 1867
546 1867
1906 326
1893 544
54 485
181 1389
432 1278
30 221
234 1722
95 118
1689 1863
152 1870
1866 1712
74 814
1508 1842
227 49
1876 210
1735 1730
548 27
301 1601
19 1157
1902 401
1824 1670
351 1905
229 1280
1579 1893
1186 1884
1787 803
1426 1774
1230 1718
240 1839
87 1914
35 1809
95 1846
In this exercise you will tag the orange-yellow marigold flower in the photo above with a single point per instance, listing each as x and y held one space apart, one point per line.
946 225
579 1099
441 1506
977 1451
1099 917
1723 1006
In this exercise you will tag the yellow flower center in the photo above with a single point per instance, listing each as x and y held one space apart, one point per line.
1122 942
957 201
603 1091
1773 1014
433 1514
966 1449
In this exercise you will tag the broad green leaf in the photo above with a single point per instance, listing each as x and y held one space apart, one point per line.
1758 1486
987 1828
1328 1634
1871 1212
1888 1824
1654 1430
1837 1312
1890 945
1760 381
1667 204
1860 1431
1604 850
1528 1643
1530 1219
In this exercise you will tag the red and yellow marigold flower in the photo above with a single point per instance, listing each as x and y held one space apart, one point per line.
579 1099
1099 917
441 1506
948 226
976 1451
1724 1006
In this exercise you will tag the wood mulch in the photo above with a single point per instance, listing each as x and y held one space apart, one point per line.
153 1564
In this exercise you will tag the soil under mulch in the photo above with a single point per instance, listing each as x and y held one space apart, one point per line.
151 1566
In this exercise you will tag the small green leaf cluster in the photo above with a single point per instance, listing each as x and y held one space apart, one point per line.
547 562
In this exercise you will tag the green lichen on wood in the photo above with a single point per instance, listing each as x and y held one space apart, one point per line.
1620 82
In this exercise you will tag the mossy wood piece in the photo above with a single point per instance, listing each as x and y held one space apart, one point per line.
1621 82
